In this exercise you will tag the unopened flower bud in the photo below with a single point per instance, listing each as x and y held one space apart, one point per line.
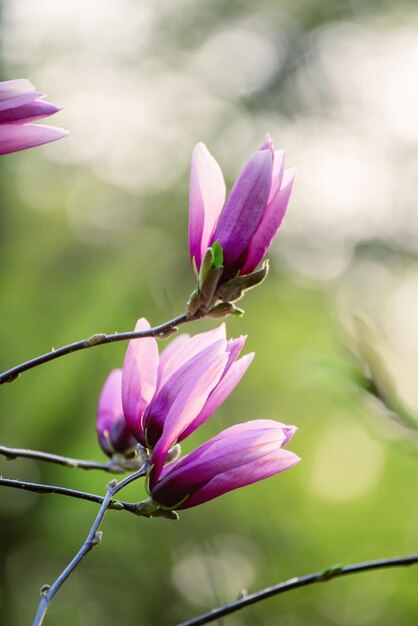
238 456
245 225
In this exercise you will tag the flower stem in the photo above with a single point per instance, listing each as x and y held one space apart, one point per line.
161 331
93 539
335 571
22 453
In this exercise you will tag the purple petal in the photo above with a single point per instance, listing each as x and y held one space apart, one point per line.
112 430
261 468
188 402
15 93
269 224
234 348
277 175
227 384
139 379
28 112
15 137
232 459
183 379
18 101
226 441
267 143
110 400
16 87
168 357
244 207
207 197
226 451
181 350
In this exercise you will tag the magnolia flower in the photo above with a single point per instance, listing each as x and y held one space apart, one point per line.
238 456
20 104
112 430
253 212
166 397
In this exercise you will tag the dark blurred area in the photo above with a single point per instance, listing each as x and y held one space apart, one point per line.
93 233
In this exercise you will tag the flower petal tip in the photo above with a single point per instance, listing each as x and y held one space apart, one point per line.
267 143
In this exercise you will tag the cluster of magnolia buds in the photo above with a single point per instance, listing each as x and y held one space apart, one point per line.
157 400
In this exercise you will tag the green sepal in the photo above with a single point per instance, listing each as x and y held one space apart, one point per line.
234 289
210 285
218 254
205 268
194 303
151 508
169 514
222 310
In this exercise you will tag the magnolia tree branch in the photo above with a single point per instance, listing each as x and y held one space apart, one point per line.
93 539
41 488
22 453
336 571
161 331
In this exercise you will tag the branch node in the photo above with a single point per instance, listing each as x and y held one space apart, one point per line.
164 334
94 340
117 506
330 572
11 378
97 538
44 590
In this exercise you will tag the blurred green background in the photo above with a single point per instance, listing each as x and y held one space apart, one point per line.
93 236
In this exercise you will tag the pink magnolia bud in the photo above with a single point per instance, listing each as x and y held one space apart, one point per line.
164 397
252 214
112 430
238 456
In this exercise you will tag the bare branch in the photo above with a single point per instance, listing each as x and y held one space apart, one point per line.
22 453
93 539
162 331
336 571
41 488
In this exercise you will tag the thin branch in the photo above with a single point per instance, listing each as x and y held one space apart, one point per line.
22 453
161 331
93 539
337 571
40 488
